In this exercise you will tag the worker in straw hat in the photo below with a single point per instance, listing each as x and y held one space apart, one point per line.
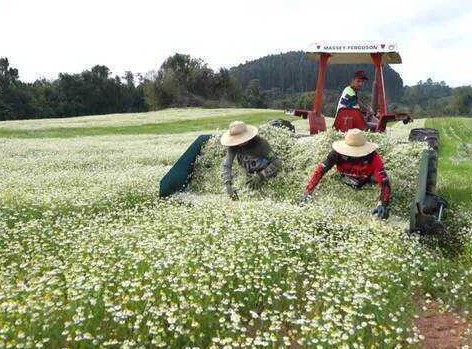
254 154
358 164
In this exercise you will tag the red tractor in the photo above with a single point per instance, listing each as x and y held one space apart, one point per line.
353 53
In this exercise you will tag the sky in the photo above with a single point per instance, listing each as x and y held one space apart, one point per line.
43 38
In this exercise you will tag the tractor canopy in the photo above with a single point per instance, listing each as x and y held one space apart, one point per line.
355 52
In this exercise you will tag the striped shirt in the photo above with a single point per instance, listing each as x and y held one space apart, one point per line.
348 99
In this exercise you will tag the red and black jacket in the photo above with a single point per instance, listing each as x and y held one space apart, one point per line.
356 172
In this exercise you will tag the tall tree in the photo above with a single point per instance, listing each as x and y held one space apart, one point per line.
186 81
226 87
15 97
253 96
463 100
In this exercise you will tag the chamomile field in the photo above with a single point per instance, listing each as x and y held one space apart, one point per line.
90 256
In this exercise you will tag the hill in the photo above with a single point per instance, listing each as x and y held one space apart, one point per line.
294 72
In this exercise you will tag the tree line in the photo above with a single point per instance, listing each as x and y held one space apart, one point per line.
275 81
93 91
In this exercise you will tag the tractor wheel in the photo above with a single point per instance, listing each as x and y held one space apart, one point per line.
283 124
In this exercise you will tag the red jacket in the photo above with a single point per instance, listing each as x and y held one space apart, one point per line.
355 171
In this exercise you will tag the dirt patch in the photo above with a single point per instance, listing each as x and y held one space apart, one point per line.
441 330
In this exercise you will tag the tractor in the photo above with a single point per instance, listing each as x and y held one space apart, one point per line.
427 208
353 53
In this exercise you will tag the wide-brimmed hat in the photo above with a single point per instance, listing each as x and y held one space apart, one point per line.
354 144
238 133
360 74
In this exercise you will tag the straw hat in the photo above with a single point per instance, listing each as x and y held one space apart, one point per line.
238 133
354 144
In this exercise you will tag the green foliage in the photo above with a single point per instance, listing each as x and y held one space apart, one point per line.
183 81
95 92
253 96
462 102
435 99
15 97
90 92
226 88
427 98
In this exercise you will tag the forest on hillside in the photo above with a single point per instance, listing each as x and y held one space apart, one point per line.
276 81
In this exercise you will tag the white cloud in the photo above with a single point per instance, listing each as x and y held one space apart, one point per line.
43 38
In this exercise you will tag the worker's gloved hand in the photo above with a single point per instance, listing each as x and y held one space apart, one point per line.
381 211
305 198
233 193
256 181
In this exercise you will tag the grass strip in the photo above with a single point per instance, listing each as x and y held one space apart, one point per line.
171 127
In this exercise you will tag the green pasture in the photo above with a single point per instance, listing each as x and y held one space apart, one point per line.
163 122
455 159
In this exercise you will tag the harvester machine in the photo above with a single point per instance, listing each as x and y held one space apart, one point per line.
427 209
179 176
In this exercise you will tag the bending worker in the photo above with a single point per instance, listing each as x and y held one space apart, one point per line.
358 164
254 154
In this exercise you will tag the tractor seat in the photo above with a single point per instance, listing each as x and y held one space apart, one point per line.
348 118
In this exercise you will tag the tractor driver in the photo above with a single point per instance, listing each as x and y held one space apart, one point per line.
254 154
349 97
358 164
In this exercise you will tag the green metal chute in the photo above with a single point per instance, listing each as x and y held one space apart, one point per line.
427 209
178 177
